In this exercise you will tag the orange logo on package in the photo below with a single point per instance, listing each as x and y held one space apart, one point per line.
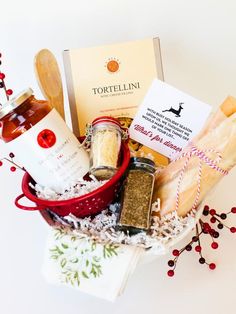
113 65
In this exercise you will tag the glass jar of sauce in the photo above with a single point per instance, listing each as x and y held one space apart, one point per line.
105 147
42 142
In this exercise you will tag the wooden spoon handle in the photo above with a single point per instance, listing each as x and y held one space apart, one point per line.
49 79
229 106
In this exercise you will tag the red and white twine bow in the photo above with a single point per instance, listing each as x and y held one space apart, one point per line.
201 154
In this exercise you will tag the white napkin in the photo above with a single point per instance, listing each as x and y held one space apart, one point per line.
96 269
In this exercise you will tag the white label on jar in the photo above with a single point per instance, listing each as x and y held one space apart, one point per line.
51 153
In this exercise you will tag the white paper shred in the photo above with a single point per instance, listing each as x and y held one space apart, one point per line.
102 227
79 188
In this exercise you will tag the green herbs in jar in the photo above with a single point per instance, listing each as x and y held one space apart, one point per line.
137 196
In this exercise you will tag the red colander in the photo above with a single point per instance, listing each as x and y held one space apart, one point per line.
85 205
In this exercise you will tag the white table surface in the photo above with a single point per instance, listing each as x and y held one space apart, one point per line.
198 49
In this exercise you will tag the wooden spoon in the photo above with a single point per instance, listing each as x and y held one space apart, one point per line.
229 106
49 79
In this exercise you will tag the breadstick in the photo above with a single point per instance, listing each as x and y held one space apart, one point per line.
221 139
214 120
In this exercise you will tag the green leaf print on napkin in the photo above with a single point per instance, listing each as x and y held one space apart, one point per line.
79 258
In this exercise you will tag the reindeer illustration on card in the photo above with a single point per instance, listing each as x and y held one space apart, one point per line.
169 115
176 112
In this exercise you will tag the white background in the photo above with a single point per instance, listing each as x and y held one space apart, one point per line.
198 48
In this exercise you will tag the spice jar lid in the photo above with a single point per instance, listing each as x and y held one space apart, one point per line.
15 102
106 119
144 161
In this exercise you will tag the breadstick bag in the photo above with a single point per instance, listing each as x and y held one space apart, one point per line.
184 183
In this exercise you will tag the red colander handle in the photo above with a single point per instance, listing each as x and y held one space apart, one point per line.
26 207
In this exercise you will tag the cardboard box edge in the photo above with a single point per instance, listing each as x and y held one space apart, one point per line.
158 58
70 92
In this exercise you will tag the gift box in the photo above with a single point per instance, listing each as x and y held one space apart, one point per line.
110 79
85 246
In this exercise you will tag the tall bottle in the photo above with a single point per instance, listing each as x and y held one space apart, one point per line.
42 142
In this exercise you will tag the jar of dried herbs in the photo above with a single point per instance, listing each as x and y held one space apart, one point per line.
105 147
136 200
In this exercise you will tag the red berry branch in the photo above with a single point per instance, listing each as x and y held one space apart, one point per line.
217 221
8 92
14 165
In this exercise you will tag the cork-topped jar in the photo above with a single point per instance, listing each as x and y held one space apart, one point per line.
105 147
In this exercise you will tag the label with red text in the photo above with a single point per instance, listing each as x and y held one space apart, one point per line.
51 153
168 119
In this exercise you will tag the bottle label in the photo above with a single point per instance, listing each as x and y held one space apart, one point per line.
51 153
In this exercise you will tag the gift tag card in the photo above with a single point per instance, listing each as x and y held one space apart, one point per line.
168 119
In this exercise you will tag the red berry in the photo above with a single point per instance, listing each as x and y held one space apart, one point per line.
175 252
170 273
215 234
198 248
9 92
213 220
171 263
206 210
1 163
233 210
220 226
13 168
223 216
233 229
188 248
212 266
2 76
206 227
202 260
214 245
212 212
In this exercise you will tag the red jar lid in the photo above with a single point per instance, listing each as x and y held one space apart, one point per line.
106 119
